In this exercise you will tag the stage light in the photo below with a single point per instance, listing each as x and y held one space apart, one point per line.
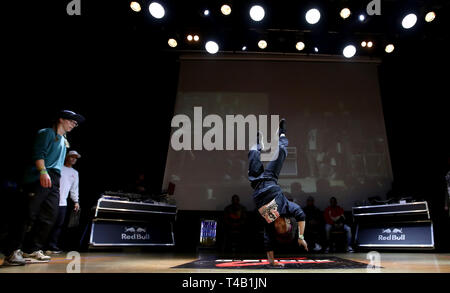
389 48
363 44
156 10
135 6
312 16
189 38
300 46
226 9
409 21
196 38
316 49
206 12
369 44
212 47
257 13
262 44
345 13
244 48
430 16
362 17
172 43
349 51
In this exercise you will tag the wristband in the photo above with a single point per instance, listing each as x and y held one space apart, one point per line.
43 171
301 236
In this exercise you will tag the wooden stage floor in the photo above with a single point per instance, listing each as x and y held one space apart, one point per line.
139 262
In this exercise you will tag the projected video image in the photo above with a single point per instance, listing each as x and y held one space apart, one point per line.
337 140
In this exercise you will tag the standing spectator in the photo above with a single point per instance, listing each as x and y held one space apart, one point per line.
234 219
447 196
68 185
314 224
41 187
334 219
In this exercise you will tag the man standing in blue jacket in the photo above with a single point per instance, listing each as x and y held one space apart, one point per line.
41 187
279 213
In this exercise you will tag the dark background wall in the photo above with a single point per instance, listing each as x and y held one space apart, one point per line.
415 102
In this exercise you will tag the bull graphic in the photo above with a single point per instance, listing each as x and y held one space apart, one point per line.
130 230
393 231
141 230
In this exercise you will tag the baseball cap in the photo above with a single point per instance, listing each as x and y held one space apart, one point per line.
74 153
67 114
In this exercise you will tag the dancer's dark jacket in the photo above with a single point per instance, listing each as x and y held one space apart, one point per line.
264 181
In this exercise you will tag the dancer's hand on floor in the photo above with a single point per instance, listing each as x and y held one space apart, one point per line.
303 243
277 264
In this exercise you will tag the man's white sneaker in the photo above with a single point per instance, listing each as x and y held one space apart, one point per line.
15 259
317 247
38 255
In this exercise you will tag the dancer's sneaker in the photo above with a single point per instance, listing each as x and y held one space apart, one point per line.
282 128
37 255
349 249
317 247
327 249
15 259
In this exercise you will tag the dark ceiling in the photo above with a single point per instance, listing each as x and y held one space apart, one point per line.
284 25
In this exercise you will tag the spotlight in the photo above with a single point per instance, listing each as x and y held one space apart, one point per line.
257 13
206 12
226 9
389 48
312 16
363 44
196 38
316 49
300 46
430 16
362 17
156 10
345 13
172 43
189 38
212 47
244 48
135 6
262 44
369 44
409 21
349 51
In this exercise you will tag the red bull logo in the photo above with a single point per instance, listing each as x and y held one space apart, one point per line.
135 233
394 234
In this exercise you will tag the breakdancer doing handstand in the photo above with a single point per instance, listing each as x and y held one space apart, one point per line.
270 201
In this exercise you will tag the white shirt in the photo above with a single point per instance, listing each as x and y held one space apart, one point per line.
68 183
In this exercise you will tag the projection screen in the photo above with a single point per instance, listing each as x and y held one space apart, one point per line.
336 131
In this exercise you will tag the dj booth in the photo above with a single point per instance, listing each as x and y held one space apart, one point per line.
394 226
126 219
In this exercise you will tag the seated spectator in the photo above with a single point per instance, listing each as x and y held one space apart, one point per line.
140 185
234 221
314 224
334 219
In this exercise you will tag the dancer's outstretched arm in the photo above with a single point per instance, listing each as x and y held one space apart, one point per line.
301 232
